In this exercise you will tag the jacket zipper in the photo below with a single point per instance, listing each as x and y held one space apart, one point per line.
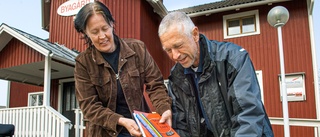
117 76
221 135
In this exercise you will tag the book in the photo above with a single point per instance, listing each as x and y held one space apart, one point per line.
150 127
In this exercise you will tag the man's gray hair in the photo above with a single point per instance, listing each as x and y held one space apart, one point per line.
178 20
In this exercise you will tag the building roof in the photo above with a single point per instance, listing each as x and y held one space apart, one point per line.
57 51
62 63
224 5
216 5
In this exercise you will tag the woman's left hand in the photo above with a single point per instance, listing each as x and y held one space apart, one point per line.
130 125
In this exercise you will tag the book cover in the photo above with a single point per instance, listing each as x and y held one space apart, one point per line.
150 127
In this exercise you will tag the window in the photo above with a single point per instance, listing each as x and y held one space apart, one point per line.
241 24
35 99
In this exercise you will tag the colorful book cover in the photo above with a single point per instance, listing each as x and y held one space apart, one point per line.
150 127
143 129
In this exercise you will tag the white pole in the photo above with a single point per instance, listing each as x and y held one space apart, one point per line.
47 81
283 86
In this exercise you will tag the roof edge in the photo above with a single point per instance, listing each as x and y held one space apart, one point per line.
310 6
208 12
13 33
158 7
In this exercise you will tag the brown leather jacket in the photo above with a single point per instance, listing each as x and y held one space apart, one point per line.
96 86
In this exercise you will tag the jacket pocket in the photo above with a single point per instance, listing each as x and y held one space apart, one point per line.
134 77
103 86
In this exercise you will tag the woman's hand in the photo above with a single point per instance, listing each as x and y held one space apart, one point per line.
166 117
130 125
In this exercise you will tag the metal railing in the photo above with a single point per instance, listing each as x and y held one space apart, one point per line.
39 121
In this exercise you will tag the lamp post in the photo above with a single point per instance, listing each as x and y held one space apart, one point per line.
277 17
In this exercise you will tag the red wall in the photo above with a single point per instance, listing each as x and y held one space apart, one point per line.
263 50
125 12
19 93
136 19
133 19
16 53
149 35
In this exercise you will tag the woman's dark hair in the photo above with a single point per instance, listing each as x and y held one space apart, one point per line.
96 7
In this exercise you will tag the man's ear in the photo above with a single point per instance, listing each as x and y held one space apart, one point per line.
195 34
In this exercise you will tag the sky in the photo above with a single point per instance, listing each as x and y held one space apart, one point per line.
26 15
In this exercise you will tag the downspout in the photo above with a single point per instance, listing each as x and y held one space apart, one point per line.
314 62
47 80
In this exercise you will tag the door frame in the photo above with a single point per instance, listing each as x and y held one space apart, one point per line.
60 94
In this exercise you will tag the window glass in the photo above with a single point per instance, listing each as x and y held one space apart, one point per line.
40 99
35 99
68 100
73 99
248 25
234 27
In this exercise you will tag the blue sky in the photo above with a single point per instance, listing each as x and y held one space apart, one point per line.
26 15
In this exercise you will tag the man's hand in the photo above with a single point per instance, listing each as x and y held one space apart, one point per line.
166 117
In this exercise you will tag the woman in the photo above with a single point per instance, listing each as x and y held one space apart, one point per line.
110 76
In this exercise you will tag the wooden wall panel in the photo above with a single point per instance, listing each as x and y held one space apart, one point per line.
135 19
16 53
263 50
149 35
19 93
54 93
295 131
62 29
127 23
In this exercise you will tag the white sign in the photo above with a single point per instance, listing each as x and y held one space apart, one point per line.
72 7
295 87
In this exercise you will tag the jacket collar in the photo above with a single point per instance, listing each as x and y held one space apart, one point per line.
125 52
201 59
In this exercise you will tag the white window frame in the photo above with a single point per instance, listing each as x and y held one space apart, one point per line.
35 93
239 15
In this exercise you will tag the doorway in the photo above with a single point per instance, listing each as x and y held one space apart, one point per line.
69 104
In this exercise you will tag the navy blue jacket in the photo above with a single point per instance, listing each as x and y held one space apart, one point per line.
229 93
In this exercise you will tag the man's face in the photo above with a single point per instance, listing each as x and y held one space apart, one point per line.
180 47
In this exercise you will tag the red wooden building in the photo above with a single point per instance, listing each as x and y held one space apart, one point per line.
41 71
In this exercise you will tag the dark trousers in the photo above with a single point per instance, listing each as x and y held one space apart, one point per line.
125 134
204 131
